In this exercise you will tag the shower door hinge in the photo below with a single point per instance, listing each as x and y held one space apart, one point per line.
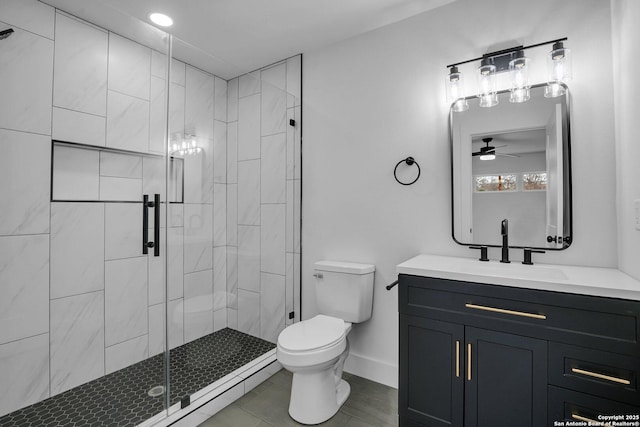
185 401
292 315
292 122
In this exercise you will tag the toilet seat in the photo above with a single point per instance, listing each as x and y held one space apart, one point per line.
317 333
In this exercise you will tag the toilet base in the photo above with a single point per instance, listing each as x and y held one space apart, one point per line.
318 403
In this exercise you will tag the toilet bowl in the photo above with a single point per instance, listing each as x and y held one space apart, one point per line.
314 350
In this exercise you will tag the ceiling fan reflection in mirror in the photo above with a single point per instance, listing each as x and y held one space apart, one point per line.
488 152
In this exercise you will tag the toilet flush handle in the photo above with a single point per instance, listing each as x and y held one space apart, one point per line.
318 275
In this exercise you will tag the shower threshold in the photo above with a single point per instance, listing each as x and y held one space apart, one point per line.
123 398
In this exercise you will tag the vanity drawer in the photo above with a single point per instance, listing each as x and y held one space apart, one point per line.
575 319
568 405
597 372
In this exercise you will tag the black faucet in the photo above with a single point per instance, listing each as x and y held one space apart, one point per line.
504 230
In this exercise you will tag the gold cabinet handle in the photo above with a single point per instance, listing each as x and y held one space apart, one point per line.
457 359
469 362
505 311
589 420
600 376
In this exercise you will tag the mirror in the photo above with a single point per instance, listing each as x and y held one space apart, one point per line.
512 161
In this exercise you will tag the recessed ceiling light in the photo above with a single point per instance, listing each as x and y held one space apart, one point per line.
161 19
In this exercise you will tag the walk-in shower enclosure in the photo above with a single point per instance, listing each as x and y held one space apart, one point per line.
146 205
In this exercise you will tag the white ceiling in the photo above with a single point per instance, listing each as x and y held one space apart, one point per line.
239 36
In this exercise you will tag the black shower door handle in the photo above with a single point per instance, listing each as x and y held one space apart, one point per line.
146 244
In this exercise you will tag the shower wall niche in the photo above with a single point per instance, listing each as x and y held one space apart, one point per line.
82 129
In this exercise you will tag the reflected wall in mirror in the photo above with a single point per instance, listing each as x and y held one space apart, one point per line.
512 161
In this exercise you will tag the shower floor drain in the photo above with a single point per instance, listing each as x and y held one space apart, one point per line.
156 391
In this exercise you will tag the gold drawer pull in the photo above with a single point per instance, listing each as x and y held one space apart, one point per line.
589 420
504 311
601 376
469 362
457 359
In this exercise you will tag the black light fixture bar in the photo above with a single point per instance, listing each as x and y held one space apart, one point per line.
505 52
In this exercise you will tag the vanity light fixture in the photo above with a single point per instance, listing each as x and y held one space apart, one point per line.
514 61
187 146
161 19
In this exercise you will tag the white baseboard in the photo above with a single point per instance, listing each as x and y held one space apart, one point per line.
372 369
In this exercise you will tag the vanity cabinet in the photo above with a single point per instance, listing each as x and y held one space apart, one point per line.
485 355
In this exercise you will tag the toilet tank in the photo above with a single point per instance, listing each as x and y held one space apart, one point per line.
344 290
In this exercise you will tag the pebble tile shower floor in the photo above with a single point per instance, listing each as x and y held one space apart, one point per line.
121 399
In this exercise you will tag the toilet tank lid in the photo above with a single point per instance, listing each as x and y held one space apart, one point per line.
345 267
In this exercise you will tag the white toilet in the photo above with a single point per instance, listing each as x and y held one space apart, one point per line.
314 350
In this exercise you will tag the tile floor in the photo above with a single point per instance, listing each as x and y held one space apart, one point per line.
370 404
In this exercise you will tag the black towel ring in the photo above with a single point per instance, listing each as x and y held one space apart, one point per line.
409 161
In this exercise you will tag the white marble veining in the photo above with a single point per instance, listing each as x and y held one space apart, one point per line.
249 192
178 72
123 234
24 293
80 68
198 304
26 76
198 174
126 353
29 15
199 103
249 127
272 239
289 226
219 278
220 108
129 67
175 188
120 165
232 152
24 369
273 100
198 237
232 214
120 189
176 322
606 282
249 258
272 306
75 174
273 169
77 340
289 287
74 126
249 84
127 122
219 152
219 319
153 176
297 195
157 115
77 248
232 277
249 312
294 80
25 173
125 299
175 262
232 100
219 214
176 111
158 64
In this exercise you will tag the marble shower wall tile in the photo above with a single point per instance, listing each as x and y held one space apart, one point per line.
26 76
232 214
75 174
274 75
129 67
219 319
219 215
126 353
249 192
74 126
77 248
176 323
176 112
294 81
220 152
249 84
178 72
297 144
249 312
77 340
198 174
25 173
232 318
199 102
156 329
127 122
157 115
29 15
153 176
125 299
249 127
175 262
24 294
120 189
273 100
272 306
289 306
249 258
232 277
273 169
198 304
296 287
220 278
24 369
122 230
155 276
272 239
120 165
297 194
291 115
289 220
158 64
232 100
232 152
198 237
220 99
80 69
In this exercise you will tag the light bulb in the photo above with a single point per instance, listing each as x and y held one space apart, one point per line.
455 90
558 70
519 69
487 157
487 84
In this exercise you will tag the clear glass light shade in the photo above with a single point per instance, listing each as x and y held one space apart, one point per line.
487 157
487 85
520 95
455 91
554 89
559 65
520 85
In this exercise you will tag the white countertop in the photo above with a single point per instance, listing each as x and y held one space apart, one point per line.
605 282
